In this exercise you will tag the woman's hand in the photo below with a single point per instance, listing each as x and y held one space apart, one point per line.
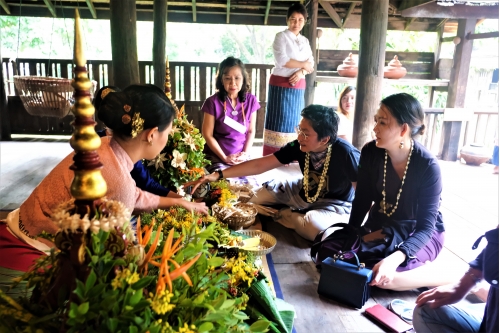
443 295
295 77
197 207
384 270
238 158
308 67
232 159
213 177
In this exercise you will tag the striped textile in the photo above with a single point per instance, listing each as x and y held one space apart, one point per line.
284 104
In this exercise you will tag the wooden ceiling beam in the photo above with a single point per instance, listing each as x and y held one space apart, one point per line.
193 3
228 11
433 10
408 22
268 8
405 4
483 35
349 11
91 8
5 6
51 7
331 12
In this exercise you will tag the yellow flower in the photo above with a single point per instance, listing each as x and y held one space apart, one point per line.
161 302
187 329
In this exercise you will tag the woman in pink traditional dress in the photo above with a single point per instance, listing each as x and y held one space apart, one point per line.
141 120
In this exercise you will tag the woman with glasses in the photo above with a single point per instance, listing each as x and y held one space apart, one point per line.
329 165
293 59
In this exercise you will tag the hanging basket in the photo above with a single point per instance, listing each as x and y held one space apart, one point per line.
45 96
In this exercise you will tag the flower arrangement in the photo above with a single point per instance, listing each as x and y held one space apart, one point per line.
99 281
182 159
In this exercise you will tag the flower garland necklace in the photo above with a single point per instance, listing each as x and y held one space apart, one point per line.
402 183
321 180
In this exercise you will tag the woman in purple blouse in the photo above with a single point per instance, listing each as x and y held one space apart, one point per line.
229 117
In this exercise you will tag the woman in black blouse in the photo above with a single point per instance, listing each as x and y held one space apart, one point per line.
403 181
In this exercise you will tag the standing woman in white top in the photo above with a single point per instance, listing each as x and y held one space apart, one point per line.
346 112
293 60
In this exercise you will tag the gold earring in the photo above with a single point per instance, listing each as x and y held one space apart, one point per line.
150 143
401 145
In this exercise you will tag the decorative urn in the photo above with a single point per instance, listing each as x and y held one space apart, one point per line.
394 70
349 68
475 154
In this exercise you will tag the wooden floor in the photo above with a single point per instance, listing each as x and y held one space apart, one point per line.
469 206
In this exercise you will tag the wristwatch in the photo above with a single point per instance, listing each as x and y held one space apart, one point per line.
219 171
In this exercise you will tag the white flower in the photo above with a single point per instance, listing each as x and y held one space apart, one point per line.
189 140
175 129
158 161
178 160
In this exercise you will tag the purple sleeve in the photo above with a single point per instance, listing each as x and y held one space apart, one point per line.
429 200
363 197
253 104
209 106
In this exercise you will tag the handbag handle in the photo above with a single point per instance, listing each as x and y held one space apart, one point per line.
341 256
315 247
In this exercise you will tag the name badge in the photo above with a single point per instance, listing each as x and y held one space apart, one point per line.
235 125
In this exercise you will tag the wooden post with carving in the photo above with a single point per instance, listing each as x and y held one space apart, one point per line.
310 33
159 41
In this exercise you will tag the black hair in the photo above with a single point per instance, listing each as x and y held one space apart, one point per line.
297 8
345 91
226 64
117 109
324 120
406 109
101 93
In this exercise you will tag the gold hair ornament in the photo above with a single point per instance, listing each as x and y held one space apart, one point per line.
137 124
105 92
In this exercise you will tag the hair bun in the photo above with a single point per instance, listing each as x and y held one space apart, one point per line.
113 108
421 131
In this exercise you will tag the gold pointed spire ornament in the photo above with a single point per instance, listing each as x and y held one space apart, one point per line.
88 183
168 85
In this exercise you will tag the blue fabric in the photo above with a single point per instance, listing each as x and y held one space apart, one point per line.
448 318
283 109
143 178
494 159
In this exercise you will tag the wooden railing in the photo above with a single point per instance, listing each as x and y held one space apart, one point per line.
192 83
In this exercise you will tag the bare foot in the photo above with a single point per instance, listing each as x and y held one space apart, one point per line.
495 170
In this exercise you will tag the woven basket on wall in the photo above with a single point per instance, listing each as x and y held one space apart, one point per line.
234 219
45 96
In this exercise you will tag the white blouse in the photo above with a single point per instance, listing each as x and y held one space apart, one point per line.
287 46
345 126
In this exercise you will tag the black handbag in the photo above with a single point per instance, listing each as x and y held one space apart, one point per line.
345 282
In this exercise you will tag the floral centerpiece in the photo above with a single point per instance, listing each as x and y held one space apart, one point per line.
98 280
182 159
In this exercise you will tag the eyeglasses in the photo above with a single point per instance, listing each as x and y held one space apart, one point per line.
299 133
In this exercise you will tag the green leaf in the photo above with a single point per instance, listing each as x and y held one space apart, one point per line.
227 304
143 283
199 299
240 315
83 308
136 297
215 261
219 301
96 290
206 327
112 324
133 329
73 310
90 281
259 326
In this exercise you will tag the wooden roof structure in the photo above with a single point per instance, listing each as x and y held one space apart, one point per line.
413 15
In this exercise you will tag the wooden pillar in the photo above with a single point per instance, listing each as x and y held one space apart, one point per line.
310 32
457 87
159 41
374 17
4 115
123 22
435 69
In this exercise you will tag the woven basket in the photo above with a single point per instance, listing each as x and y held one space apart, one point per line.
236 221
267 241
239 188
45 96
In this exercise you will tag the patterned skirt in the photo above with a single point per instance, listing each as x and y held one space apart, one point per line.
284 104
